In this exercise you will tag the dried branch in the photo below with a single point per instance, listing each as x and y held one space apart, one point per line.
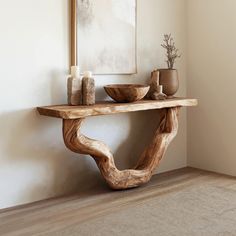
171 50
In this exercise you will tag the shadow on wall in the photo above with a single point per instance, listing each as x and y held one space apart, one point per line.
58 85
142 128
35 163
127 135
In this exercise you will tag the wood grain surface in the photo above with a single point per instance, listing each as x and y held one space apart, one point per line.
126 92
147 164
107 108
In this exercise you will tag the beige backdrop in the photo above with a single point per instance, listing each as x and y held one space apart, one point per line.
211 78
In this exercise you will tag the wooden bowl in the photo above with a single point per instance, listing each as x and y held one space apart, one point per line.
126 92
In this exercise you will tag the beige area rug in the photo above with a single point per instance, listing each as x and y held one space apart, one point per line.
204 206
189 202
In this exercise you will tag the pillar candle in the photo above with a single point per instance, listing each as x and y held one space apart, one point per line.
75 72
74 87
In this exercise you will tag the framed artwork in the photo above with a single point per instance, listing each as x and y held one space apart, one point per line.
104 34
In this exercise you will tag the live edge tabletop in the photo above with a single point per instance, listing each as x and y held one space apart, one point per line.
106 108
141 173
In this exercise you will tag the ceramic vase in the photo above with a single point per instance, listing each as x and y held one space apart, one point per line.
169 80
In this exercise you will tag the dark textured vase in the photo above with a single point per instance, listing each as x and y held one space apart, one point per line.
170 81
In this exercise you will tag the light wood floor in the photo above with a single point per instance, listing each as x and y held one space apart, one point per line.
53 217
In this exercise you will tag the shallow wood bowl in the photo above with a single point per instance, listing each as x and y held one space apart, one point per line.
126 92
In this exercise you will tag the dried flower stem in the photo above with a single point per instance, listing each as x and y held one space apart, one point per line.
171 50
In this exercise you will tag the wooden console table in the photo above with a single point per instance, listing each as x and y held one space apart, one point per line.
73 116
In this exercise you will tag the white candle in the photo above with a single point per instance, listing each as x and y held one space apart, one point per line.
75 72
88 74
160 88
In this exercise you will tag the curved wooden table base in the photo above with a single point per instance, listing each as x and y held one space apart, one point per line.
101 153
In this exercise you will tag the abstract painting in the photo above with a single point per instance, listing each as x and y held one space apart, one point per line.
107 36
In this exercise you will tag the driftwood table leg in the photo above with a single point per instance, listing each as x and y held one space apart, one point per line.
147 163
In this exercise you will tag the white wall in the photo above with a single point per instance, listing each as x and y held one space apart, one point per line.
34 55
212 79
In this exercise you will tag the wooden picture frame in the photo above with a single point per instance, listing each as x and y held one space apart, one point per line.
73 33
